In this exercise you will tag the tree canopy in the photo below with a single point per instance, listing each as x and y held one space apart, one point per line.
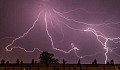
47 58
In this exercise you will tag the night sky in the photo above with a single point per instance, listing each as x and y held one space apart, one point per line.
17 16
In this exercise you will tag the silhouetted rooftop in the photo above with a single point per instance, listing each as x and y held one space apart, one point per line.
57 65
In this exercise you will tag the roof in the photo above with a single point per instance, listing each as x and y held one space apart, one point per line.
56 65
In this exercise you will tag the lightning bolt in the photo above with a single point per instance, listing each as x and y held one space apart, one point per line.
69 19
36 48
22 37
103 43
98 34
73 47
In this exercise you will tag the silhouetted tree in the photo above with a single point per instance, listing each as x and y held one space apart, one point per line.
47 58
112 62
2 61
95 61
17 61
32 61
108 62
35 62
7 62
53 61
63 62
21 62
79 62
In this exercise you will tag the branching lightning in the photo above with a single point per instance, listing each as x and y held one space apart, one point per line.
22 37
96 33
75 49
18 47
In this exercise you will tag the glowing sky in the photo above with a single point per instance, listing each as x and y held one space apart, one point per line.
17 16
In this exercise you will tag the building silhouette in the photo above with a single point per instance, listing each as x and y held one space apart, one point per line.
49 63
59 67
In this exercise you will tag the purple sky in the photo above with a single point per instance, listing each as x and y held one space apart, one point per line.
17 16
